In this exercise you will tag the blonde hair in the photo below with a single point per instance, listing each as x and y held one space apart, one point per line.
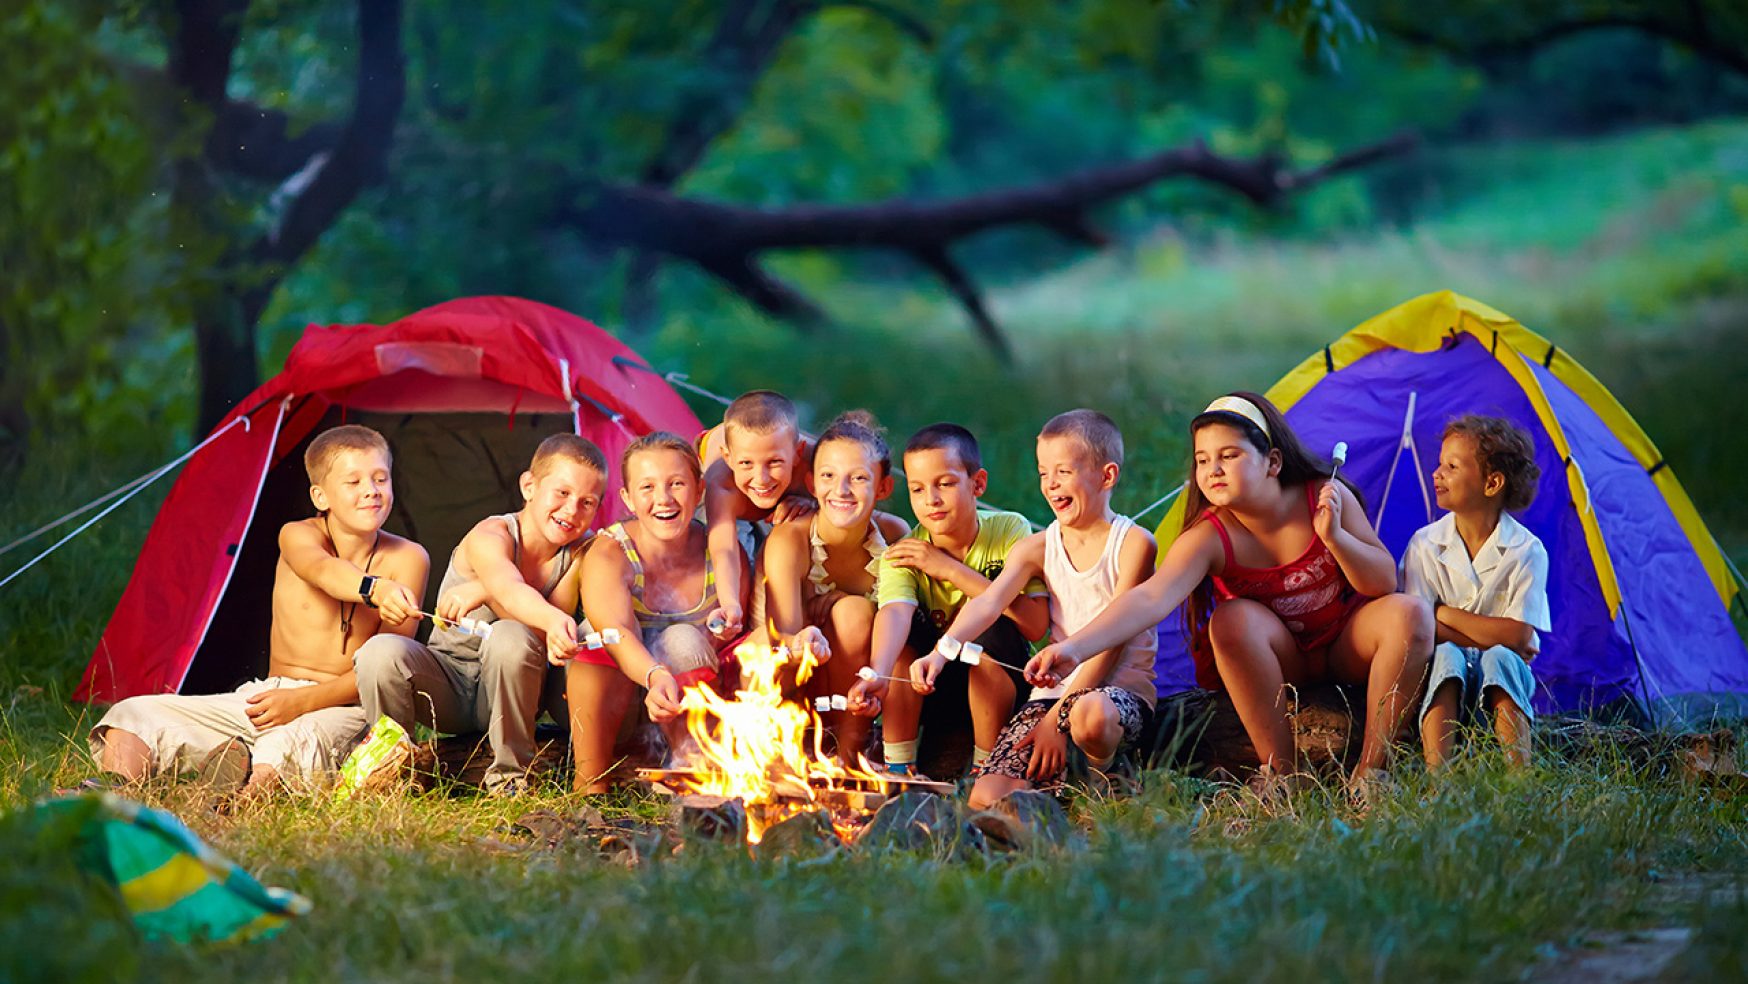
1093 431
571 448
760 412
331 443
661 441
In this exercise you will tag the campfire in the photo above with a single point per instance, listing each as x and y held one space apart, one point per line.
768 752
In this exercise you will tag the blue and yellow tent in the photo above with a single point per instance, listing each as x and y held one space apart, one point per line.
1641 594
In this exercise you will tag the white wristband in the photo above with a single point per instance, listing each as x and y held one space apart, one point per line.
647 677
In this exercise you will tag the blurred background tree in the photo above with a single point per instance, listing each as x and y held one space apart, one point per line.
193 180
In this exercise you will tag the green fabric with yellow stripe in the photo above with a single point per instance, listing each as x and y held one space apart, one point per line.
175 886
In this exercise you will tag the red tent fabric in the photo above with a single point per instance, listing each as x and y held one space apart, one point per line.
491 355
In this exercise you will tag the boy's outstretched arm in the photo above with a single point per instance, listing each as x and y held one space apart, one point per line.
722 506
489 549
405 564
308 553
1031 614
1192 557
891 629
1134 565
1025 562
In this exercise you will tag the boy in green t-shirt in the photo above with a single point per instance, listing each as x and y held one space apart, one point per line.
954 553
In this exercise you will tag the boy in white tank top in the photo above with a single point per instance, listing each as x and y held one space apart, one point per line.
1086 557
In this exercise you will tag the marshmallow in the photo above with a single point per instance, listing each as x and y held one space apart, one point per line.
867 673
1340 455
605 637
822 704
840 702
716 624
473 626
971 654
948 646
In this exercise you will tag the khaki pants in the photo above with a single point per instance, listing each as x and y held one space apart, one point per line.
501 693
181 730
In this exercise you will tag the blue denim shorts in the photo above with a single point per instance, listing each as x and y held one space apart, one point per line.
1475 670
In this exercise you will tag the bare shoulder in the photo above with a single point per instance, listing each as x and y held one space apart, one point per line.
1030 550
303 532
710 447
790 534
603 558
1138 543
892 528
405 554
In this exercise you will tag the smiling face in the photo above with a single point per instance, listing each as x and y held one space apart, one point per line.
662 489
942 494
1459 483
763 464
1230 470
561 503
847 482
357 492
1077 488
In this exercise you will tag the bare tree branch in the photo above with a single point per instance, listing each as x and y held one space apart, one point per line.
725 240
1536 24
358 157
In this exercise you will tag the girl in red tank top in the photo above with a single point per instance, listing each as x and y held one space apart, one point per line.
1286 583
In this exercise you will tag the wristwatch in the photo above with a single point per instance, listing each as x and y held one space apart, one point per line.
364 588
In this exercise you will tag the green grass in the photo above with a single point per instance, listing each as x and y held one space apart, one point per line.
1631 253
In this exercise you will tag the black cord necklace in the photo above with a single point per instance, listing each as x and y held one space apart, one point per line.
346 609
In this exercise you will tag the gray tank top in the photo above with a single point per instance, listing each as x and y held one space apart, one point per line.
465 645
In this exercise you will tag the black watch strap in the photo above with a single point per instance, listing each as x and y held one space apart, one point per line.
364 590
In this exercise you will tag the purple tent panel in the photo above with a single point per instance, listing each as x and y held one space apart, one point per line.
1587 660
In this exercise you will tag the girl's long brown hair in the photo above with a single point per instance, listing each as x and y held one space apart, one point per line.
1299 466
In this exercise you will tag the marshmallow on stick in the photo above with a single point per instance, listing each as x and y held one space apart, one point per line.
1339 457
471 626
605 637
836 702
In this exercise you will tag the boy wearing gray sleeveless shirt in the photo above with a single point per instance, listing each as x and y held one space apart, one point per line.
501 574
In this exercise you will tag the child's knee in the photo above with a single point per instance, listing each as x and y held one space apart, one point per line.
852 618
990 789
384 658
1415 618
1094 720
686 651
511 642
1238 622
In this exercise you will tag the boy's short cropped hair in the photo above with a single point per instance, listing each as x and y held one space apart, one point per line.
662 441
1096 433
569 447
1503 448
329 444
761 412
951 438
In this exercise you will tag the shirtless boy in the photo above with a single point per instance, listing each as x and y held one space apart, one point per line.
340 580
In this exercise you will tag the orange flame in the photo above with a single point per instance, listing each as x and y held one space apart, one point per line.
755 747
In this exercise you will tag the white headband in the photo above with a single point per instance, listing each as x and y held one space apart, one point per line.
1244 408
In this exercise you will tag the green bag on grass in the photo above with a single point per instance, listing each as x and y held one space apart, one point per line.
173 884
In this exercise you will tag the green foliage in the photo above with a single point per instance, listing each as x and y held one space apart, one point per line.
81 309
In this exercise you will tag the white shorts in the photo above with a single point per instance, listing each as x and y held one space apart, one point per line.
181 730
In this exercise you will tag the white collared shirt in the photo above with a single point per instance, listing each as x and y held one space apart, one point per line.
1508 577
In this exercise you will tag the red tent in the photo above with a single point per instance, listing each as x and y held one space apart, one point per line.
463 391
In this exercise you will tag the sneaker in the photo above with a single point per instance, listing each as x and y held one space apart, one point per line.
1372 788
509 787
226 768
1273 788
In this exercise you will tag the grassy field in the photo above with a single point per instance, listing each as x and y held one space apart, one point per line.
1630 253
